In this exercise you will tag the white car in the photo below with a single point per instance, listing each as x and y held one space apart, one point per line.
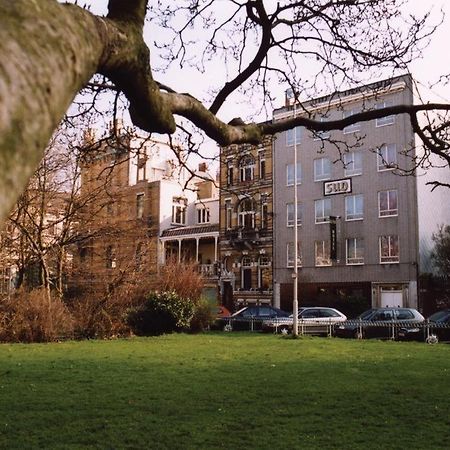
311 320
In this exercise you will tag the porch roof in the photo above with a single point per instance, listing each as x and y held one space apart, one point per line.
196 229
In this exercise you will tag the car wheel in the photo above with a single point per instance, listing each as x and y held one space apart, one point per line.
284 329
432 339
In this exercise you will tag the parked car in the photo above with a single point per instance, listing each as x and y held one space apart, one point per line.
250 317
436 328
312 320
380 323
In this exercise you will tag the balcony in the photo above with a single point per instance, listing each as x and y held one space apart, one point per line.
208 271
241 238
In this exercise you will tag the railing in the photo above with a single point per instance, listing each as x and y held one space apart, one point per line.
208 270
387 329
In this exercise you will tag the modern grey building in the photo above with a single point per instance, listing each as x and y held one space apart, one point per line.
357 214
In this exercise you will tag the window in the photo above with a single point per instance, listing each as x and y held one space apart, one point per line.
290 174
264 211
322 169
228 214
292 138
322 253
319 135
229 172
246 273
354 127
354 251
246 213
388 120
290 257
387 203
353 163
140 206
290 214
141 166
179 211
387 157
262 164
264 272
110 257
322 210
389 251
247 168
203 215
354 207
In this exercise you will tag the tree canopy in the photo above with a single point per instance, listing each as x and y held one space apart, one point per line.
50 51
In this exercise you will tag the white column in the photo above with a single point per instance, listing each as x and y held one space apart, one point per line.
179 250
197 240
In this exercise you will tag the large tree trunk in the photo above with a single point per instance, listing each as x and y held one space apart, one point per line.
48 53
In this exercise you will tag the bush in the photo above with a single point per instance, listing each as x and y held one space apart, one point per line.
31 316
203 316
163 312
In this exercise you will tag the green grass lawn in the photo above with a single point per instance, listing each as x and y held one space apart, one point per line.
232 391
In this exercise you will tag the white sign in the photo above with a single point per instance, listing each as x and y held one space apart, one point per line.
343 186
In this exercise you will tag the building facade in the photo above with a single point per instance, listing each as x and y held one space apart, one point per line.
246 225
148 208
357 216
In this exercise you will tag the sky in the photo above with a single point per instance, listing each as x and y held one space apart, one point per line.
426 70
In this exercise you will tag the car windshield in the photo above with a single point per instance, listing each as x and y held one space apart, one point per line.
367 314
439 316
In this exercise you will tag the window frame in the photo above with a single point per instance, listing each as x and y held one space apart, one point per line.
356 215
140 205
293 139
384 164
203 215
179 207
290 223
354 260
393 259
390 212
247 166
291 168
354 127
290 254
322 175
354 171
323 218
387 120
325 244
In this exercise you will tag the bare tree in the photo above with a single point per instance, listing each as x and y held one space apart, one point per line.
50 51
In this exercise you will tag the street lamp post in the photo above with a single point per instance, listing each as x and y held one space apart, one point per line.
295 274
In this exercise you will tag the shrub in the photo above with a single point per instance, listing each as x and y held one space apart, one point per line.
203 316
163 312
180 277
33 316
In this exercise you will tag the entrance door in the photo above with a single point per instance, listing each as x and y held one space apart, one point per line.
391 299
227 299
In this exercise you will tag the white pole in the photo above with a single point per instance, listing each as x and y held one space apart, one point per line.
295 274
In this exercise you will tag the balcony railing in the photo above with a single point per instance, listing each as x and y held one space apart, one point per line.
208 270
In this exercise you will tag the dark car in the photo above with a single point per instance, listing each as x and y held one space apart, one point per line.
250 318
382 323
311 320
435 329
